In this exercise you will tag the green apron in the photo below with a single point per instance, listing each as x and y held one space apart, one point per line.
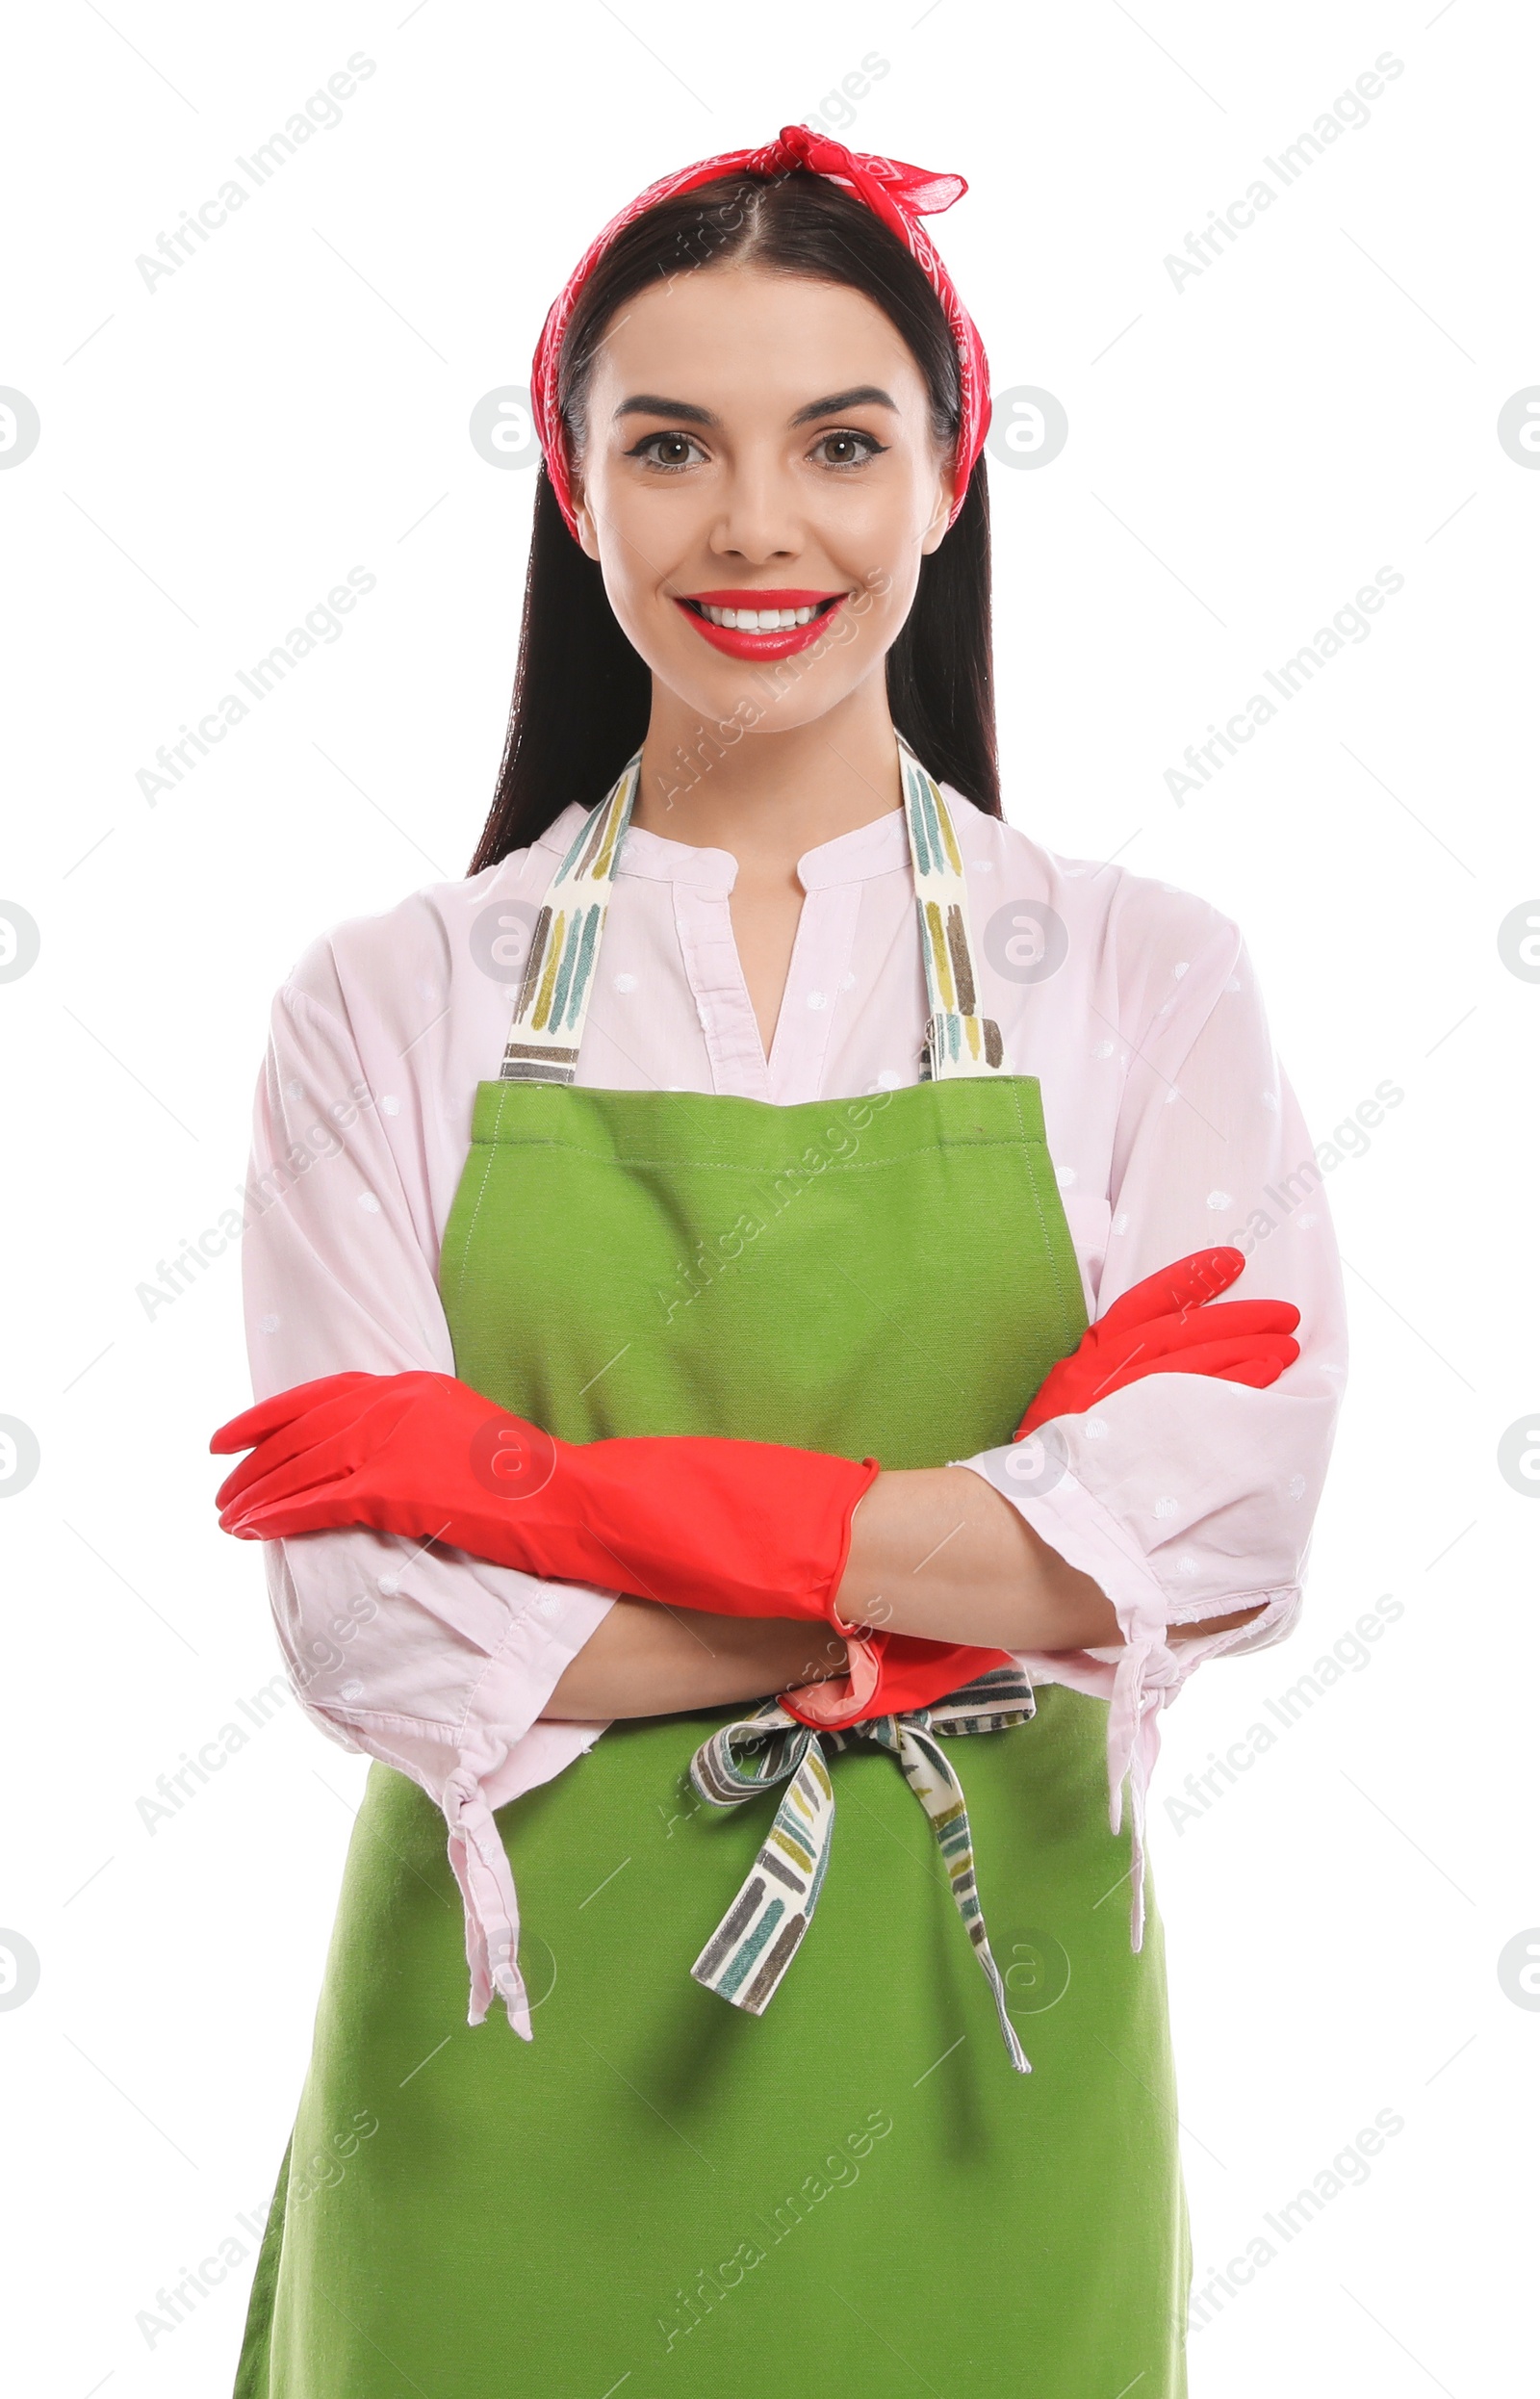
663 2193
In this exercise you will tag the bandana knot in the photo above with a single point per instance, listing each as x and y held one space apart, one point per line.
884 184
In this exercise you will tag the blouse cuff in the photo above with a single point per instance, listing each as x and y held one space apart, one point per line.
502 1725
1145 1673
499 1748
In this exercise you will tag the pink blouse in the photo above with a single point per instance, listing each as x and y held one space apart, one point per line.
1171 1128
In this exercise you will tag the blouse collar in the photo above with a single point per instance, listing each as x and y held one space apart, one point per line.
871 849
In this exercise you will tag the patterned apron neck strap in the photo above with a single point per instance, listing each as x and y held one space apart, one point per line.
551 1008
545 1035
957 1040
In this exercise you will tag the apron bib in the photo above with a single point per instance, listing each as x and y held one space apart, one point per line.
698 2158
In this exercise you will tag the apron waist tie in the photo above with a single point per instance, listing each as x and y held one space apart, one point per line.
751 1948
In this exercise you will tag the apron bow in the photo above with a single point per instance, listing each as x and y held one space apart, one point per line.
751 1948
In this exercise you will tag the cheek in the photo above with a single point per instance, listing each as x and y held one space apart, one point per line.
871 621
886 572
875 537
641 546
628 596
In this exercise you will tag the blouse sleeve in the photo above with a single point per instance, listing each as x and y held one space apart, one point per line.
1183 1496
435 1661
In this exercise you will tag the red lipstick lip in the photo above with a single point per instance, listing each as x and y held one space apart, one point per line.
780 644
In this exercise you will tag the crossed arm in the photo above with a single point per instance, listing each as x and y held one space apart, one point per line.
936 1552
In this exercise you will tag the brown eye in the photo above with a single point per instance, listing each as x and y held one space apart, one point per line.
848 450
668 450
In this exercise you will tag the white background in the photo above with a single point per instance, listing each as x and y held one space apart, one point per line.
1244 454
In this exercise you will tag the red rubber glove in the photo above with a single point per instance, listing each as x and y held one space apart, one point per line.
736 1528
1165 1326
910 1672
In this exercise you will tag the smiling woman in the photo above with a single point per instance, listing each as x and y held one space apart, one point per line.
700 1325
827 373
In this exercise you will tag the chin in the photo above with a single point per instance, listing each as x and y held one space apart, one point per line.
775 694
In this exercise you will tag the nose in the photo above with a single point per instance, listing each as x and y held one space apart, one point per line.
759 519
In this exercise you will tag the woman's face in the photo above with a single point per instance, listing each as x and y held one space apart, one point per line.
757 443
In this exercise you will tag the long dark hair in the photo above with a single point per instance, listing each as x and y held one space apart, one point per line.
581 695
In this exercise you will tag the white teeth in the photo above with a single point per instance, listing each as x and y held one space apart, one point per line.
756 620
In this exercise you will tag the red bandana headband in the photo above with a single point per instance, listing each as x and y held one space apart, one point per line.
899 195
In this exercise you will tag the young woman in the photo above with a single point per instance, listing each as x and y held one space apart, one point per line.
677 1418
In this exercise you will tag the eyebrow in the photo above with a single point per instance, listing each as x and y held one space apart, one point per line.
859 395
649 404
686 411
